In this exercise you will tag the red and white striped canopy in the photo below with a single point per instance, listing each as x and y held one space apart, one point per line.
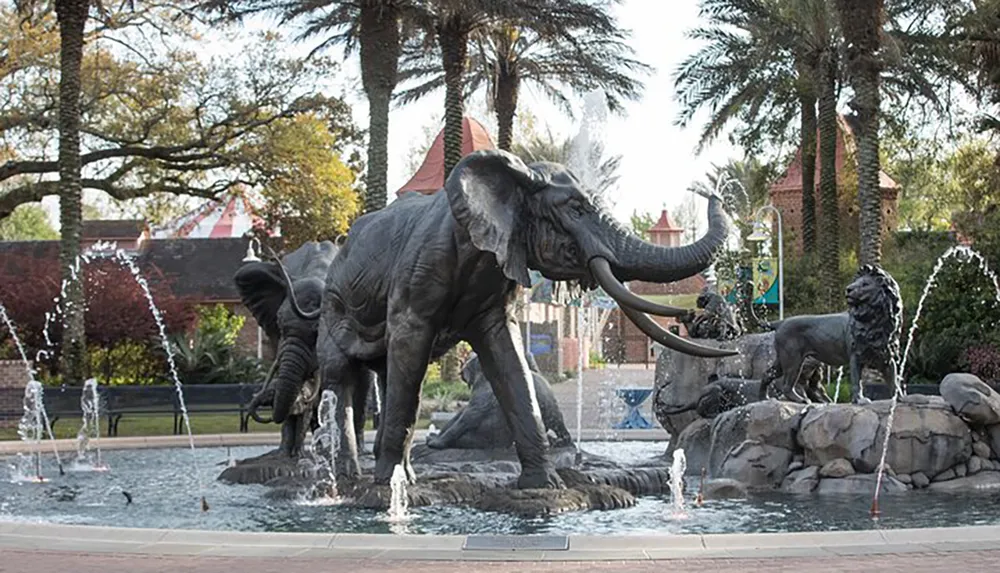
231 216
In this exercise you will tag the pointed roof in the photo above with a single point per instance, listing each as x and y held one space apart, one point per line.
791 181
430 177
232 215
665 225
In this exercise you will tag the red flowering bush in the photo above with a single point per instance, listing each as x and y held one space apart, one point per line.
984 362
117 312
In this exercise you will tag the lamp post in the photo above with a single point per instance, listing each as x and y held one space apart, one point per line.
761 233
251 257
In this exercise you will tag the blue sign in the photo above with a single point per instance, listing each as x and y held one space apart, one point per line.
541 343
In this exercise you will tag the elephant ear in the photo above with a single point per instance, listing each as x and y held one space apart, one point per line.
487 192
262 289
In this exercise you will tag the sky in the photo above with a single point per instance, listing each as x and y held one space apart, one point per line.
658 158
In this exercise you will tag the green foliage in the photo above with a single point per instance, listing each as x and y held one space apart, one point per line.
127 362
641 223
28 222
219 319
596 360
209 356
961 313
312 194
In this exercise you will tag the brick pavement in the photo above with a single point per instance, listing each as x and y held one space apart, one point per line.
18 561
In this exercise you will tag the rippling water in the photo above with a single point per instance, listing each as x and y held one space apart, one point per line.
165 495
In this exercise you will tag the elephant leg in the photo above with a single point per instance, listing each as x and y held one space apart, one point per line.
361 390
338 373
497 342
409 352
289 436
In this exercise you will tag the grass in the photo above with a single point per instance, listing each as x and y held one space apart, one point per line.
679 300
164 426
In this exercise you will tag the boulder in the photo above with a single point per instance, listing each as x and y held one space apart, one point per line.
981 449
982 481
724 489
961 470
801 481
756 464
920 480
928 438
905 478
838 431
795 465
971 399
680 378
771 423
994 433
948 474
696 441
859 484
837 468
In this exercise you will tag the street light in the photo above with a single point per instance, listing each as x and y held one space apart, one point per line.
762 233
251 256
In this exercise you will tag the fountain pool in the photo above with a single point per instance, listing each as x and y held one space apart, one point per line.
159 482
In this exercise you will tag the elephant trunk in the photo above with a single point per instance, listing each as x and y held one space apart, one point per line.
295 363
639 260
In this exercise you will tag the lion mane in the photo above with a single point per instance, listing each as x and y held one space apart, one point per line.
875 317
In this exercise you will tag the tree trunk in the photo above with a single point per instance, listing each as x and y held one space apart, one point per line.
861 21
72 15
808 146
379 39
454 42
830 225
508 84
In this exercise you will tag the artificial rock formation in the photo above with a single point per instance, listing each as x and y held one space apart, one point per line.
836 448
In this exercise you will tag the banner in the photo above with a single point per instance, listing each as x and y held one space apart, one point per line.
763 274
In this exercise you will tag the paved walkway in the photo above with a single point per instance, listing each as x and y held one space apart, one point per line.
16 561
601 407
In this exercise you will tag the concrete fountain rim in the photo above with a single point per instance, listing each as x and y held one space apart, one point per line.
388 547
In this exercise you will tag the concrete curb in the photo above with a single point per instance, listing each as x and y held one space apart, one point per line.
90 539
11 447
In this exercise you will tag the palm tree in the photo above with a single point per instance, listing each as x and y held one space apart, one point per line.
583 53
759 67
861 22
374 28
546 148
72 17
829 254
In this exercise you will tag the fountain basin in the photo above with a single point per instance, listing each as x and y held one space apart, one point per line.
165 495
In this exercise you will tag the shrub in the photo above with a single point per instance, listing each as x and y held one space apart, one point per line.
209 355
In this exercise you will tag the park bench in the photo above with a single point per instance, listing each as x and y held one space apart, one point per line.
117 402
159 400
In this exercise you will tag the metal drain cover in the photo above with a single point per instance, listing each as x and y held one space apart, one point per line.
516 543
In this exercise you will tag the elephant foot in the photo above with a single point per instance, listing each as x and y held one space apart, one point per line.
544 477
435 442
860 401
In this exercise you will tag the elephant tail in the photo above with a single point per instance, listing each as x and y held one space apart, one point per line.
771 326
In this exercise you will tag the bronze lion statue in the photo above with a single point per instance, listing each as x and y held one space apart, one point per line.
866 336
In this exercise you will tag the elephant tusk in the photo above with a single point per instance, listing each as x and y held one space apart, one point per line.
601 269
671 340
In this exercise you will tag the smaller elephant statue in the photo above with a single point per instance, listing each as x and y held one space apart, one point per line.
716 322
482 424
264 289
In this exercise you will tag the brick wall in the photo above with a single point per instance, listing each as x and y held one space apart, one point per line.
789 203
246 342
12 375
